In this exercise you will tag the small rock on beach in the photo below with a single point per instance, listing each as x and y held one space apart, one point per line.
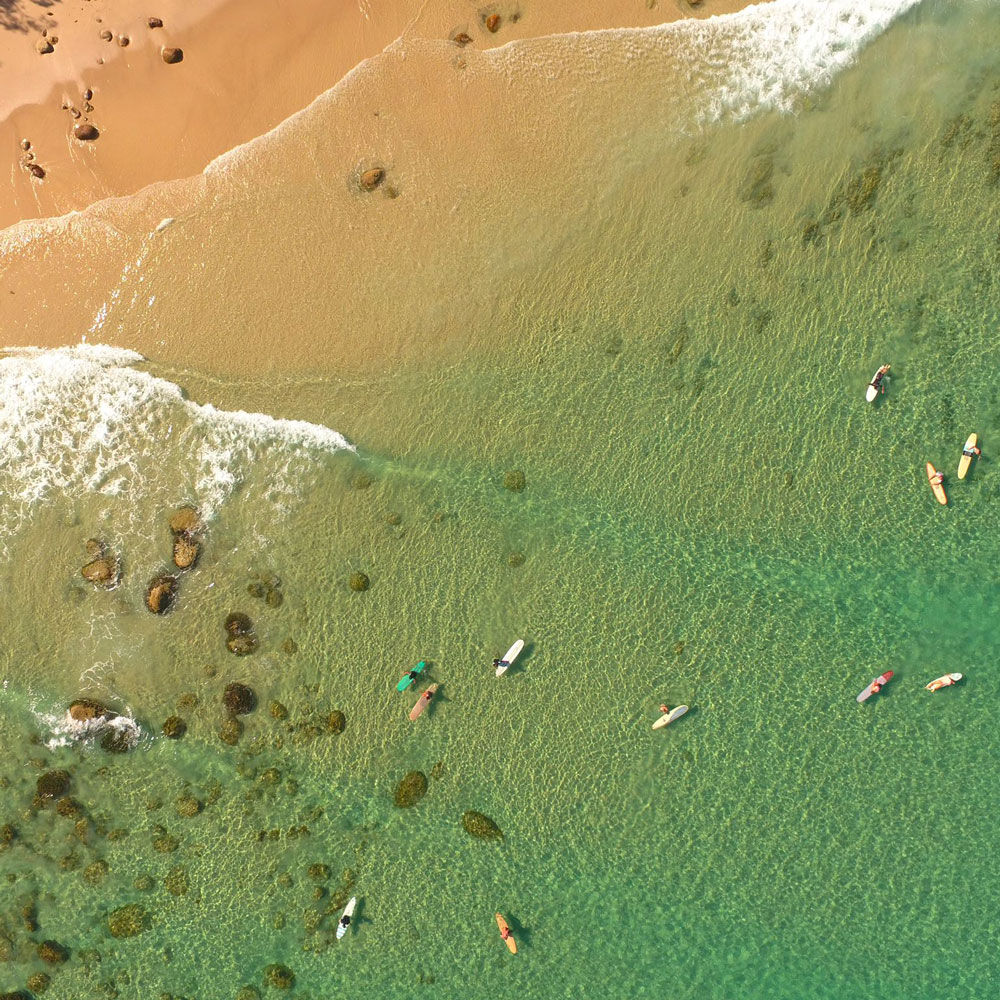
371 179
171 55
85 132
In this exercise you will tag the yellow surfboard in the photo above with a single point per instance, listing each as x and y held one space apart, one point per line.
938 489
506 935
967 456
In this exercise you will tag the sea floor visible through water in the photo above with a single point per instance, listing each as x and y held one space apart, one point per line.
711 515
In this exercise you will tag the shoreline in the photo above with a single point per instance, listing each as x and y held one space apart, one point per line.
194 111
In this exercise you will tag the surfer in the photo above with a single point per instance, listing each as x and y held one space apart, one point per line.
876 687
505 933
501 663
345 921
413 675
664 709
938 478
876 383
974 451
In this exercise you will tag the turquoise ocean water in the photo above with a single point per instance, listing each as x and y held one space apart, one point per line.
712 516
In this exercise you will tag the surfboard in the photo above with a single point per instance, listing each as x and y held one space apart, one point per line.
882 679
506 935
423 701
509 657
967 455
942 682
348 912
668 717
871 393
938 489
407 679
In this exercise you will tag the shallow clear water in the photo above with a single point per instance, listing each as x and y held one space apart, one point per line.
712 516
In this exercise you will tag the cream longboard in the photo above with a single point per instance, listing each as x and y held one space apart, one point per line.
668 717
423 701
939 493
509 657
967 455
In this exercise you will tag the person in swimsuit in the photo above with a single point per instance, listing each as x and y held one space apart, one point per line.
664 709
938 478
876 687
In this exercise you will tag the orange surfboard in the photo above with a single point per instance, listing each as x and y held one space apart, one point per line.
506 935
935 486
423 701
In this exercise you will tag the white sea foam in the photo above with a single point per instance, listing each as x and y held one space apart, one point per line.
81 420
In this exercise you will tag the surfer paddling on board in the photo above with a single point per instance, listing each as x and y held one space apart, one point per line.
974 452
878 382
876 687
937 479
345 921
500 663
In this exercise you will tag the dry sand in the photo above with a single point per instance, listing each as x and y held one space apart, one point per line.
277 260
246 67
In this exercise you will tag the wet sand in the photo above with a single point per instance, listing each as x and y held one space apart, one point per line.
244 68
490 151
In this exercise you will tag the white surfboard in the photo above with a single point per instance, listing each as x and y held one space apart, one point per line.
668 717
873 387
345 917
509 657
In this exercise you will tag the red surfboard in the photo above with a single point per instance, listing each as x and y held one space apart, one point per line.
881 680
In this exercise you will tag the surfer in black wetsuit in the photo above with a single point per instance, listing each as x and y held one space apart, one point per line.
345 921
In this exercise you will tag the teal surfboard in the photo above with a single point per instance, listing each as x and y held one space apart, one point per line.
407 679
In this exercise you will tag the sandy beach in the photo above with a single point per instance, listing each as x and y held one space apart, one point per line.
243 68
454 116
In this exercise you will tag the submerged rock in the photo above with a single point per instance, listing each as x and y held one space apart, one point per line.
231 731
239 624
480 826
239 699
335 721
128 921
39 982
359 582
53 784
410 790
279 976
241 645
514 480
176 881
52 952
120 738
174 727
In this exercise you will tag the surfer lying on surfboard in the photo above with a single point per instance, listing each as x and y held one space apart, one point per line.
878 382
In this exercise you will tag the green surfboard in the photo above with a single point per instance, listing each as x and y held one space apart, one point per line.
407 679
